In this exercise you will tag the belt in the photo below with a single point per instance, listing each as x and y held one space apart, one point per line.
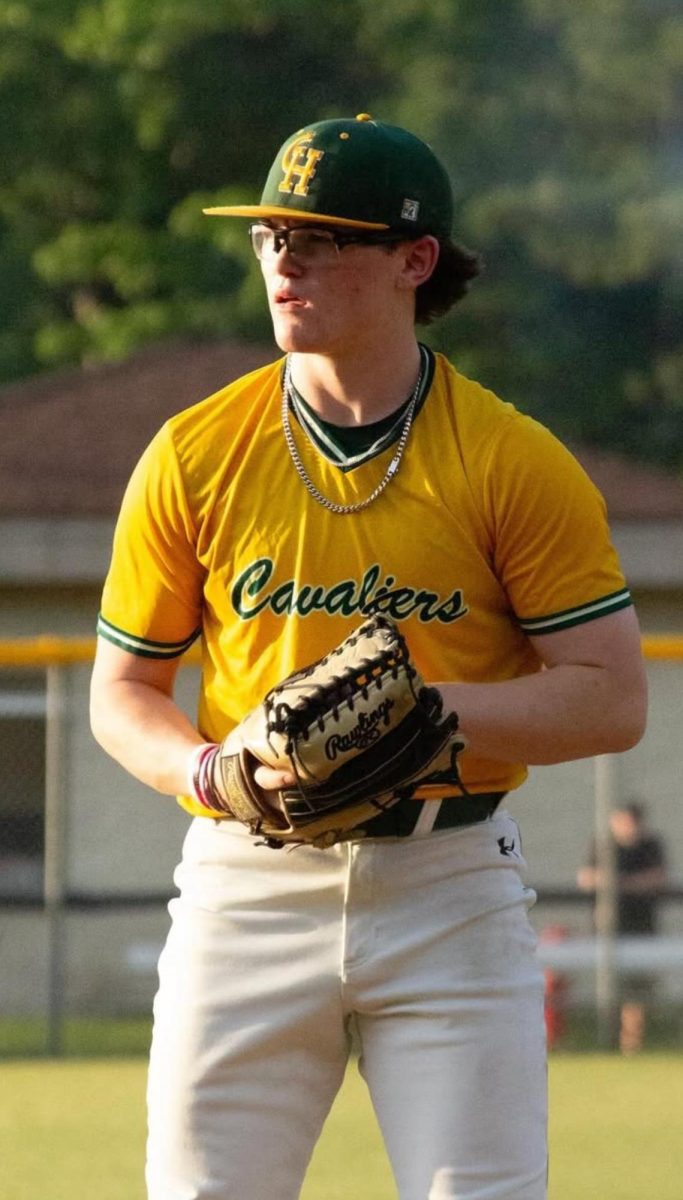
416 818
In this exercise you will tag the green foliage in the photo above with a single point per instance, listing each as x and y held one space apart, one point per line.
557 119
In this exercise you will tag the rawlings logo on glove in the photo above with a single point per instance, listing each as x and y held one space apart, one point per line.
358 730
364 734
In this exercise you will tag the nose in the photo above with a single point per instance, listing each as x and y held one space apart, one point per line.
284 263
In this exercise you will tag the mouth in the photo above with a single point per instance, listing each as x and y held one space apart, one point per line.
286 299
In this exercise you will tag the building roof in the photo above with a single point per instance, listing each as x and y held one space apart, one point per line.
69 440
633 491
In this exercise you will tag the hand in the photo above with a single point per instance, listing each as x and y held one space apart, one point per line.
589 879
271 780
207 784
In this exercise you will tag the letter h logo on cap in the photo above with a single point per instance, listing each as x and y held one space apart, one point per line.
299 162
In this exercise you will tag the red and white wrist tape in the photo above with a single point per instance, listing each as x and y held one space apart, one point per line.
199 777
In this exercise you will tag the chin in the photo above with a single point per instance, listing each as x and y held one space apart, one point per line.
301 341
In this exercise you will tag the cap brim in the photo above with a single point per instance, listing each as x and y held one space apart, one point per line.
266 211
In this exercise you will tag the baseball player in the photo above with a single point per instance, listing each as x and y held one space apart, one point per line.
359 474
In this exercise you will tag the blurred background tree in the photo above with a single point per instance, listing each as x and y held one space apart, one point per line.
557 120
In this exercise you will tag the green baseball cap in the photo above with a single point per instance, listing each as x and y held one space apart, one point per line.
359 173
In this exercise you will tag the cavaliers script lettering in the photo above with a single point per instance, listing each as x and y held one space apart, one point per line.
253 592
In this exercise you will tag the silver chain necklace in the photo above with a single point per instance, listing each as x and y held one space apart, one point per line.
391 469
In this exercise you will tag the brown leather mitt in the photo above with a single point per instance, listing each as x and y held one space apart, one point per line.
358 729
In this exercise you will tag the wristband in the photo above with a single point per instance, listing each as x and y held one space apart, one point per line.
199 778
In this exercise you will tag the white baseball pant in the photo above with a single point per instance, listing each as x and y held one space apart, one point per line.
423 942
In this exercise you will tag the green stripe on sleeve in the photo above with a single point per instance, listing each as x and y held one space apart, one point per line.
578 615
144 647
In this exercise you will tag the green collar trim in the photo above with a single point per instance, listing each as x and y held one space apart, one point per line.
349 446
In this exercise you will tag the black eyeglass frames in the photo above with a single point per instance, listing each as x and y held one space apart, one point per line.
311 243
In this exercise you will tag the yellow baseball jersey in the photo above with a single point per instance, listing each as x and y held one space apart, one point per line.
489 532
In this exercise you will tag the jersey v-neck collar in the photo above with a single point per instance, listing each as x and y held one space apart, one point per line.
349 446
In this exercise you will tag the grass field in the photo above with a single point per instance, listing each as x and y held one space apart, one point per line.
73 1129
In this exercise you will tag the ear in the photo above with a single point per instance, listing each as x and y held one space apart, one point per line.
419 260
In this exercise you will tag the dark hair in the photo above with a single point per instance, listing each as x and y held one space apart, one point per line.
635 809
448 283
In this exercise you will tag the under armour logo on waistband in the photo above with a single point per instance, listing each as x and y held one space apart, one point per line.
506 849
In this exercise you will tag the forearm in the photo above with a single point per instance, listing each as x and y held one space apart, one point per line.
588 879
144 730
568 712
643 882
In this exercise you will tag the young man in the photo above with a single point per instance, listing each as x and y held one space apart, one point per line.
359 474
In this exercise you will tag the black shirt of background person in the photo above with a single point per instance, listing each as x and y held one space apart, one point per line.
636 911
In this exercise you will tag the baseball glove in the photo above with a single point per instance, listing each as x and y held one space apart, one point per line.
358 729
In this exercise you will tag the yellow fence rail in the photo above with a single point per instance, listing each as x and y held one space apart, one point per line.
49 651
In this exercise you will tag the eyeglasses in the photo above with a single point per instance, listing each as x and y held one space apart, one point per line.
312 246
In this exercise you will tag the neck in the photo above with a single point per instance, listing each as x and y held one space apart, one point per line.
358 390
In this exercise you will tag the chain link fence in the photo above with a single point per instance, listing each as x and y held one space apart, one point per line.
87 857
22 798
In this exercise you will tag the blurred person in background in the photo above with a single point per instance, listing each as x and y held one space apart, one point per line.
641 874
